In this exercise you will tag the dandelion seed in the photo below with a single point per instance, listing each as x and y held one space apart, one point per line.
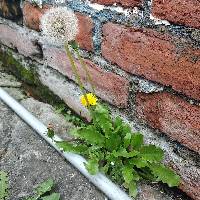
59 25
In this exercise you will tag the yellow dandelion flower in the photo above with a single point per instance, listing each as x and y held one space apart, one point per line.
91 100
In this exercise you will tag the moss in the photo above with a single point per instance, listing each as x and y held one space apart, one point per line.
10 64
29 78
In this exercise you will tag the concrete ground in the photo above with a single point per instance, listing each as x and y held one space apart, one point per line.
29 160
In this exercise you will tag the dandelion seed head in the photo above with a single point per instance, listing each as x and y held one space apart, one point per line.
59 25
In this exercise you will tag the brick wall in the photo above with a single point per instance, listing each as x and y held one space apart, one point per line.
144 57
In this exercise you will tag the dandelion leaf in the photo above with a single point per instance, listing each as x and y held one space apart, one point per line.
44 187
151 153
3 185
165 174
54 196
92 166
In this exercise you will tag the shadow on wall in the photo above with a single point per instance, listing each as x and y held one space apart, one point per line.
10 9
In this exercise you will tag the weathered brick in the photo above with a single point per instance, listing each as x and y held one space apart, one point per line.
185 12
125 3
20 40
109 86
172 115
155 56
33 14
180 121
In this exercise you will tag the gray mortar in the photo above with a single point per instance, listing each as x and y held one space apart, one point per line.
97 36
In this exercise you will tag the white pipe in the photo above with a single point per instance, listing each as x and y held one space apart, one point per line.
111 190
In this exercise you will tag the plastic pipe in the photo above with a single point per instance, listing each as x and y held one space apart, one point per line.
111 190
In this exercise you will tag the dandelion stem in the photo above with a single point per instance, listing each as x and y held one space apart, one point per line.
75 71
74 68
83 64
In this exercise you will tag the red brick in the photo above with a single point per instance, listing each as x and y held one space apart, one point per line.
18 39
172 115
33 14
125 3
109 86
155 56
185 12
180 121
84 37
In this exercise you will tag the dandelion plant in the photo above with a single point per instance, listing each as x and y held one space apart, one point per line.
108 144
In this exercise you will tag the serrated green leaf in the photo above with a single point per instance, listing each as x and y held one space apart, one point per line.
112 148
92 166
126 128
90 134
105 168
3 185
132 189
101 118
113 142
68 147
129 174
95 152
136 140
44 187
165 174
127 139
101 109
123 153
138 162
151 153
115 173
54 196
117 122
110 157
